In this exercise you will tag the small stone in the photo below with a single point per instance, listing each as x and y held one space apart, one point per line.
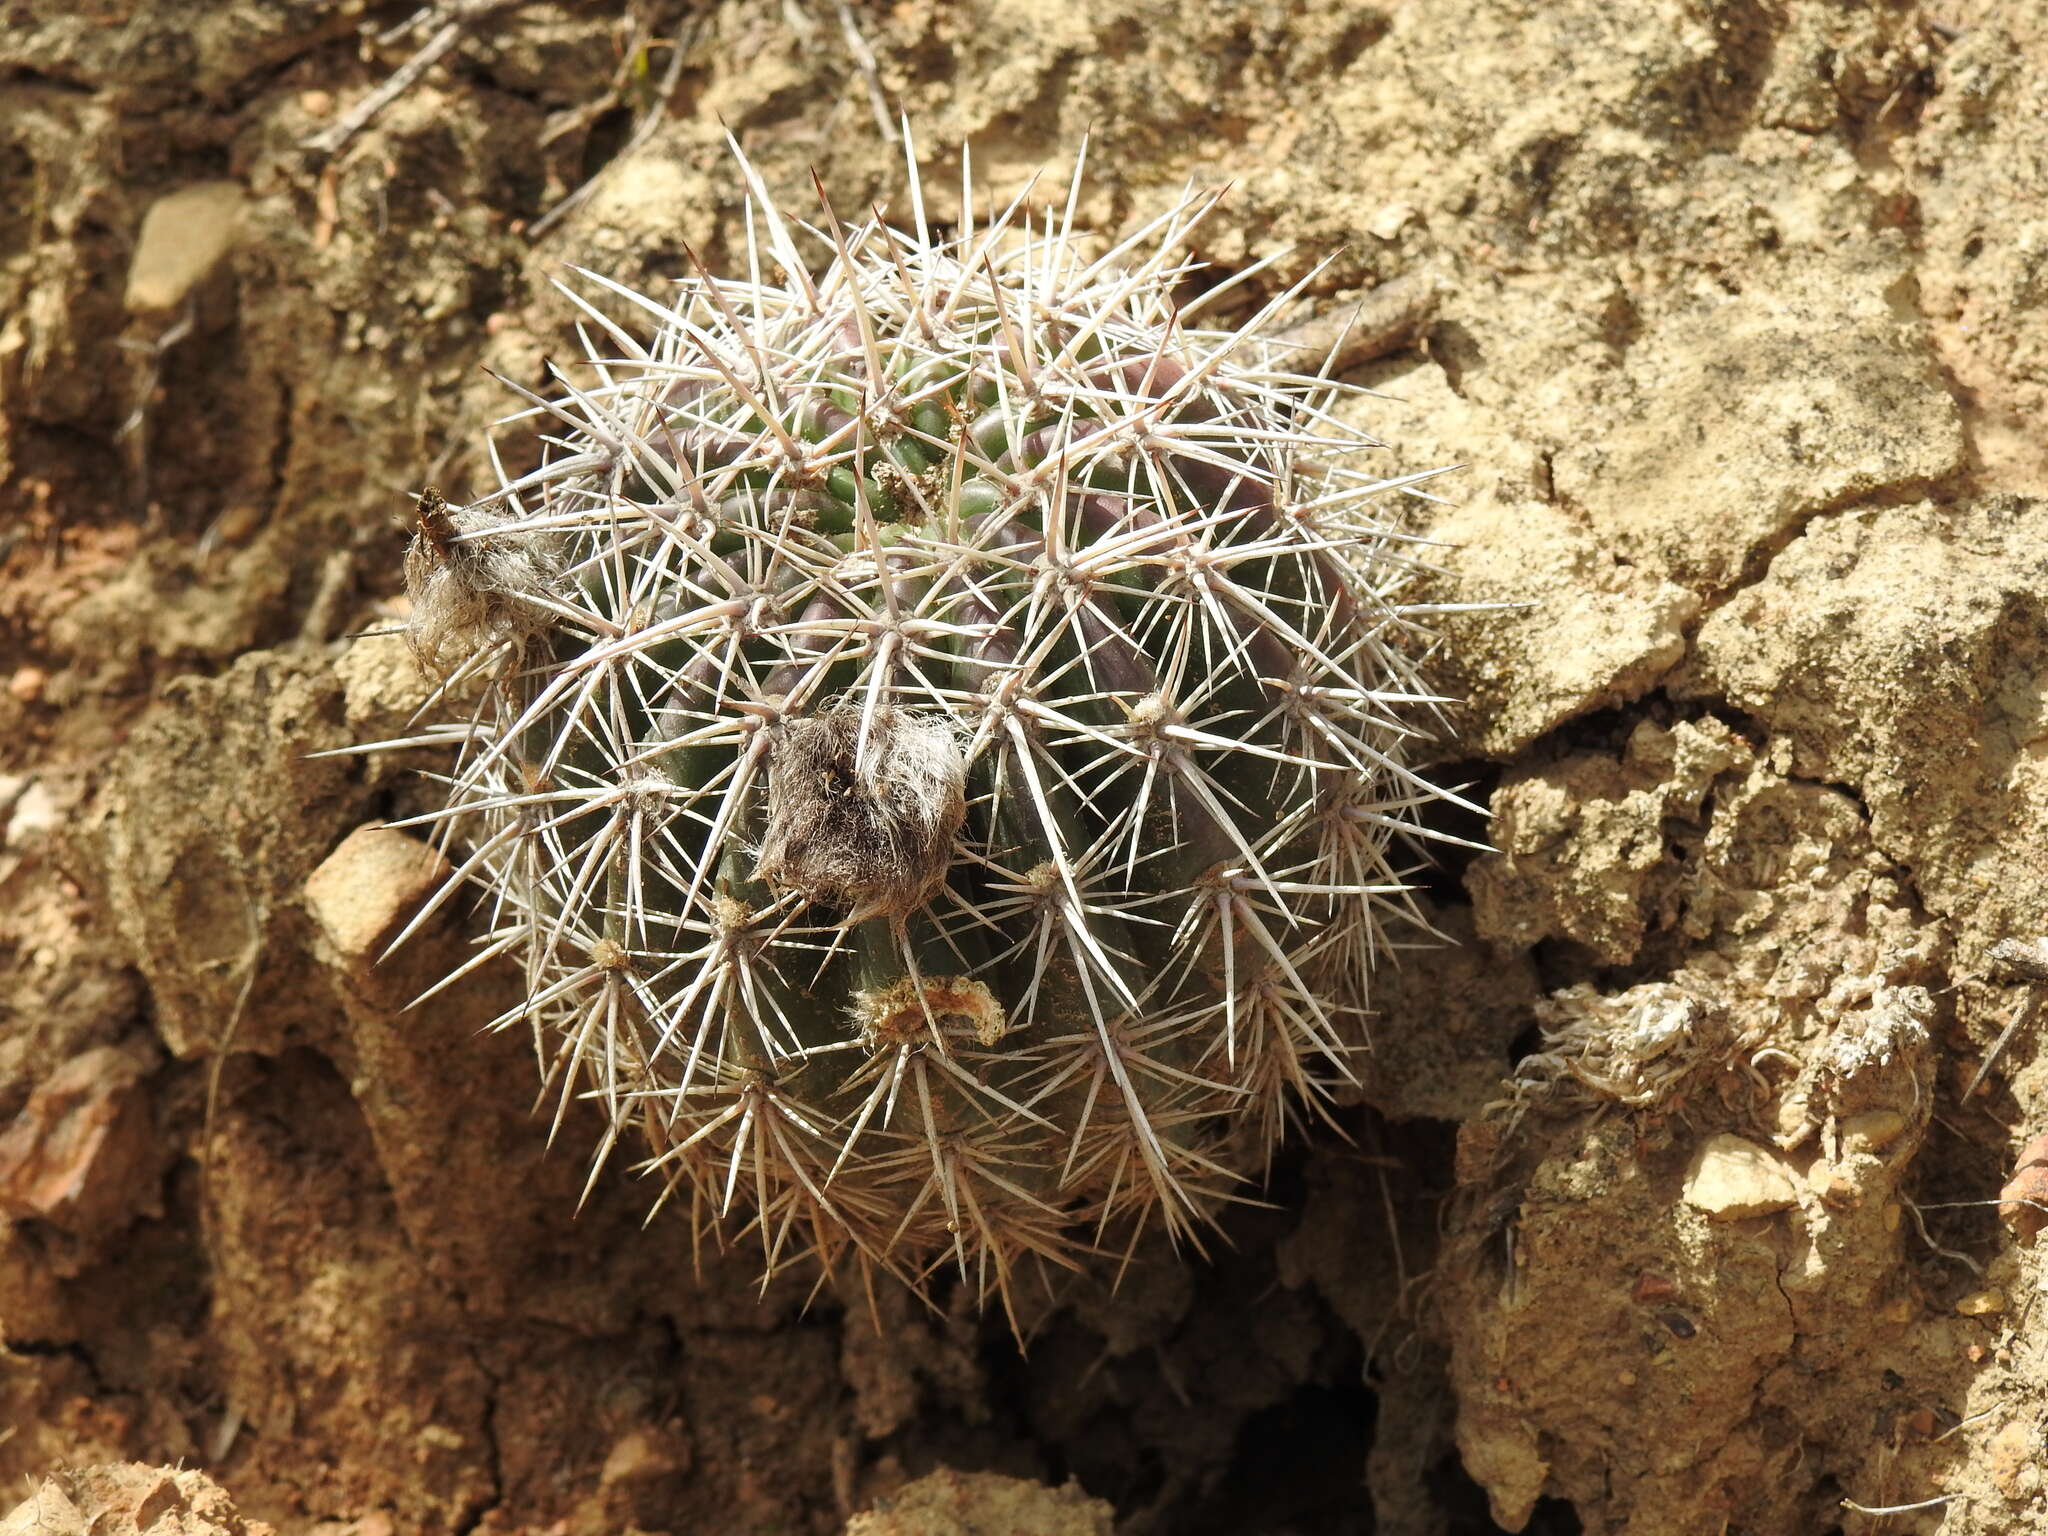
2034 1154
645 1455
1873 1130
1389 221
26 686
35 813
439 1437
1984 1303
1732 1178
316 103
239 523
1651 1286
82 1154
2010 1453
1830 1184
364 891
2023 1202
184 235
949 1503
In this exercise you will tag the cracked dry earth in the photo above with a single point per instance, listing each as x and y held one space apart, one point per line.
1672 1200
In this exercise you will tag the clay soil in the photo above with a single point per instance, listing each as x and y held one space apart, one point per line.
1671 1203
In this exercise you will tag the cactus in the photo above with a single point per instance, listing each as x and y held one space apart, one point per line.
940 759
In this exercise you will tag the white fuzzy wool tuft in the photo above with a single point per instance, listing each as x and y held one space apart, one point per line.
862 812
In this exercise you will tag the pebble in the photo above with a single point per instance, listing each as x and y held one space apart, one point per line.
1732 1178
184 236
2012 1453
82 1155
1873 1130
363 892
1387 223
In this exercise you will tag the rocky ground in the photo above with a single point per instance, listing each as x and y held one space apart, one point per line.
1674 1204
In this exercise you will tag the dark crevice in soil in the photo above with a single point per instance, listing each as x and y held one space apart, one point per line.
1441 877
493 1456
1296 1466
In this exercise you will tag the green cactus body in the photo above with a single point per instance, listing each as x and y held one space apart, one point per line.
941 758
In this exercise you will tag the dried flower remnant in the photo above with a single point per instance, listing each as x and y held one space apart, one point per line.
474 579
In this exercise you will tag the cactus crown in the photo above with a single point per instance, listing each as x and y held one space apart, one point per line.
941 760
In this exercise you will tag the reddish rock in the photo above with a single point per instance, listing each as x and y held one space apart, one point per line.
2023 1203
82 1153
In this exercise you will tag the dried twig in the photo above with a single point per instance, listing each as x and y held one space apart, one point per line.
639 35
2011 962
134 431
1900 1509
1383 321
460 16
864 61
1962 1424
1920 1224
2022 1016
642 132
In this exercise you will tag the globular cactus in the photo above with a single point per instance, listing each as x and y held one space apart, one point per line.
940 759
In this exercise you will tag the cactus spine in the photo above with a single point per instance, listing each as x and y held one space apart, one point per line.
941 760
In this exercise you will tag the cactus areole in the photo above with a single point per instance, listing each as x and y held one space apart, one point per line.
941 754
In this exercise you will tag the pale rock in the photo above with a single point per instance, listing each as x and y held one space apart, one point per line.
1500 1452
2012 1452
382 685
1745 417
1873 1130
949 1503
365 890
34 814
646 1454
118 1497
1985 1303
184 236
1731 1178
1388 222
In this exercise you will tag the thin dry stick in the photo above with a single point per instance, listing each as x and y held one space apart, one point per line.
134 431
864 61
642 132
2010 962
1383 321
1920 1224
639 35
251 962
1962 1424
1900 1509
461 17
2021 1018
